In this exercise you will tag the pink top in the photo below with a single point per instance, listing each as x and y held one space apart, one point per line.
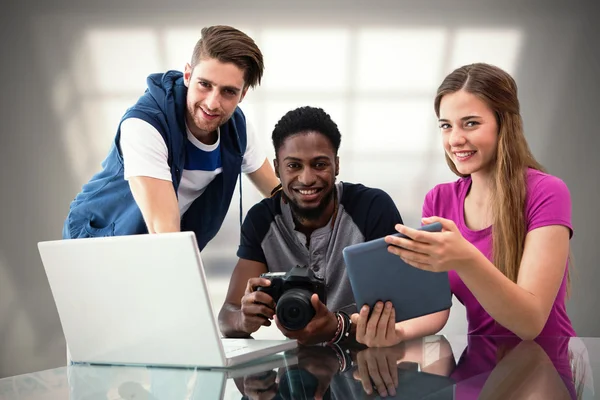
548 203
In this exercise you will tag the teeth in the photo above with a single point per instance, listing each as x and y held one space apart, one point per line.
207 113
465 154
307 192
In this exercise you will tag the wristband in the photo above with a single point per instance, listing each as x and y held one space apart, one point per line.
339 331
347 325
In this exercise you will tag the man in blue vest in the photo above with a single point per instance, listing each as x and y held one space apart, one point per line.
179 151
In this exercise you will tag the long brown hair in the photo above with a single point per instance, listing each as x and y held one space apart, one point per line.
509 184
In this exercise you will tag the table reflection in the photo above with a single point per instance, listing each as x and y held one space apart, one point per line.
152 383
506 367
488 368
435 367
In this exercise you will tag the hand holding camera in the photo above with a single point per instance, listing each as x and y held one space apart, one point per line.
300 311
321 328
257 307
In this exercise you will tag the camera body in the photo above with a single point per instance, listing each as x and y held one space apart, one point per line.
291 291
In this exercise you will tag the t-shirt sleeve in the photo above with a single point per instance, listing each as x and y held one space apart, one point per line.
549 203
427 210
382 216
144 150
254 229
254 157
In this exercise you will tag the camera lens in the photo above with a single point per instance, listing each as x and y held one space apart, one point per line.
294 309
293 312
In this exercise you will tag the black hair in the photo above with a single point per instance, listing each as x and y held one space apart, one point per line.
306 119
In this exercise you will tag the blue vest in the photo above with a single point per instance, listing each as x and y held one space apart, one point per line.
105 206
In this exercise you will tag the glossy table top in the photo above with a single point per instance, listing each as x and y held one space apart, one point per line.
436 367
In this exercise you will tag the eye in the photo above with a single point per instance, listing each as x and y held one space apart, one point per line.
472 123
445 126
204 84
293 165
230 92
321 165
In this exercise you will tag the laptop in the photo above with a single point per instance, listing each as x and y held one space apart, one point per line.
141 300
375 275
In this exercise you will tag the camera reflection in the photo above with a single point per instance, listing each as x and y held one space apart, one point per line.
310 378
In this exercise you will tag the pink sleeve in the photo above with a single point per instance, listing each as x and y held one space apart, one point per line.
428 205
548 203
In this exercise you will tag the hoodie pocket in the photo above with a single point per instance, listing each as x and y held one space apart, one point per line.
94 231
86 227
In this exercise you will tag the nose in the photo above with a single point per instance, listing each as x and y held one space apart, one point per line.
307 177
457 138
212 100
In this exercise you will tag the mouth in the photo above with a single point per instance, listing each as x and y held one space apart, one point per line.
308 194
464 155
207 115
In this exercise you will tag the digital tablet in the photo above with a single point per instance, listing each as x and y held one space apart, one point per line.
378 275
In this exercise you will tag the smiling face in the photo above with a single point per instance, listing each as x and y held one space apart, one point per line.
470 132
214 91
307 165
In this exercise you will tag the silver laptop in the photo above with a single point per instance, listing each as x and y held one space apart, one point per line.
141 300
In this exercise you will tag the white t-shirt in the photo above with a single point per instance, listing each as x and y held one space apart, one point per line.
145 154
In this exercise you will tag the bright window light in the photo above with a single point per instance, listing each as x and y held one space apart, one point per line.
399 59
121 59
401 126
179 45
499 47
303 60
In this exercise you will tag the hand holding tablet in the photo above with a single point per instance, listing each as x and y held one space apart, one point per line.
375 274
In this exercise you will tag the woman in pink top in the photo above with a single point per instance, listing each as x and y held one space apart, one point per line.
506 223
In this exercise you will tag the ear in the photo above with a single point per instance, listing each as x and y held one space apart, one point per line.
276 168
187 74
337 165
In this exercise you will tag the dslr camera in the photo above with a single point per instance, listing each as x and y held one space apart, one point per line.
291 291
